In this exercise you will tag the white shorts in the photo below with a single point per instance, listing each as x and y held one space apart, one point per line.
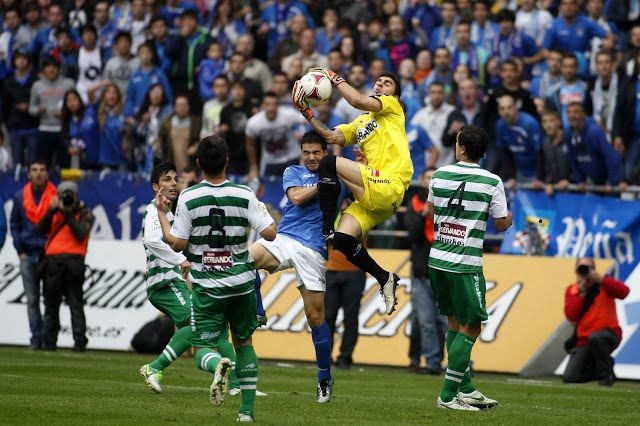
308 263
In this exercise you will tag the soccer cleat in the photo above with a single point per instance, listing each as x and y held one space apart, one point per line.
328 235
237 391
220 385
477 399
455 404
388 292
242 417
152 377
262 320
324 391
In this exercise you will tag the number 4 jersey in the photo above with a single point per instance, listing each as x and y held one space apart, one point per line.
463 195
215 220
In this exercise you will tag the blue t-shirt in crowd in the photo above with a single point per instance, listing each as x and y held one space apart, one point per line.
523 139
139 85
419 142
572 38
278 15
111 141
87 130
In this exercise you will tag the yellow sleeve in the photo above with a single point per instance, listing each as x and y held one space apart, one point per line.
349 132
390 105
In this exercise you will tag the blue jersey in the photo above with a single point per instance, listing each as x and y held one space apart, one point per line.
139 84
523 139
419 142
572 38
111 142
87 131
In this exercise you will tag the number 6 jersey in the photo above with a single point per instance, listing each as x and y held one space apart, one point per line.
215 220
463 196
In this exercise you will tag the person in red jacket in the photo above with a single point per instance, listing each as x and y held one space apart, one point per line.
590 304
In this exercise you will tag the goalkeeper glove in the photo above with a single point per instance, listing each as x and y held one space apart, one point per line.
297 94
334 77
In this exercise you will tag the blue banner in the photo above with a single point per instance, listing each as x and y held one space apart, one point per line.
577 225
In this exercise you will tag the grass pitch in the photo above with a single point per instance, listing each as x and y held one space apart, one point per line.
105 387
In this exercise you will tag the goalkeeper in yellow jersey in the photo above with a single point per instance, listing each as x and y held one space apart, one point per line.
378 186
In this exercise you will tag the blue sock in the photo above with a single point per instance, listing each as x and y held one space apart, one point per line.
259 307
322 341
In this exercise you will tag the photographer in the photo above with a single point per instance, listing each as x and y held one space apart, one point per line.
590 305
67 224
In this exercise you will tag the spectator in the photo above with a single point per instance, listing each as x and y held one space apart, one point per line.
122 64
544 85
186 53
423 65
593 159
31 26
111 120
445 34
44 40
533 21
519 140
511 43
624 15
349 51
135 23
557 170
590 304
22 126
90 61
274 19
143 78
595 11
80 131
510 86
163 42
402 44
408 87
307 53
119 9
289 44
468 54
626 127
212 108
357 78
233 122
179 134
328 36
8 41
255 69
154 110
345 285
281 86
471 110
78 13
483 30
224 28
172 10
420 148
105 28
271 137
573 32
431 327
442 73
571 90
29 206
603 90
66 51
45 100
374 43
433 119
236 73
629 55
335 63
67 224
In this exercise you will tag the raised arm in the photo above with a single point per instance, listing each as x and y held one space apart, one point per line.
332 136
177 244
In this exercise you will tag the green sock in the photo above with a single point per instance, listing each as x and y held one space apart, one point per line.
207 359
226 350
247 370
458 359
466 386
179 344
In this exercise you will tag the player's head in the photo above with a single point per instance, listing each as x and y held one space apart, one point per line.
213 155
387 84
164 179
314 149
471 143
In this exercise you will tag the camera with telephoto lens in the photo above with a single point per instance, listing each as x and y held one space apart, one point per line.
583 270
68 199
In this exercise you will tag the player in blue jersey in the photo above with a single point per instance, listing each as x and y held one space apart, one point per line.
300 244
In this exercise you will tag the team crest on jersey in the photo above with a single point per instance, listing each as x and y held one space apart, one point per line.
363 132
375 173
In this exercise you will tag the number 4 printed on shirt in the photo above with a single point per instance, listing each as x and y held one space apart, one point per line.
459 194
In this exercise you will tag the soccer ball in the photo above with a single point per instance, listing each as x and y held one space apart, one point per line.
317 88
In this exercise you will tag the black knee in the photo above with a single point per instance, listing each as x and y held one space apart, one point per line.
346 244
327 166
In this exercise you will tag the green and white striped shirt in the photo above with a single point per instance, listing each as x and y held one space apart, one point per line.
214 219
463 195
162 261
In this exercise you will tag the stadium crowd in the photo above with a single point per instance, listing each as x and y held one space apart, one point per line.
125 84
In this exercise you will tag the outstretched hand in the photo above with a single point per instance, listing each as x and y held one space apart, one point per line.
297 95
335 78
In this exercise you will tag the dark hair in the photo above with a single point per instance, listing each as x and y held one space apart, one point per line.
509 61
313 137
158 18
212 155
611 53
30 7
65 113
189 13
122 34
393 77
50 61
161 170
475 140
570 55
484 2
270 94
221 77
280 73
23 53
576 103
149 44
146 103
89 27
63 30
506 15
38 161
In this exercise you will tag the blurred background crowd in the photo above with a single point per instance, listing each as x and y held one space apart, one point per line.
124 84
